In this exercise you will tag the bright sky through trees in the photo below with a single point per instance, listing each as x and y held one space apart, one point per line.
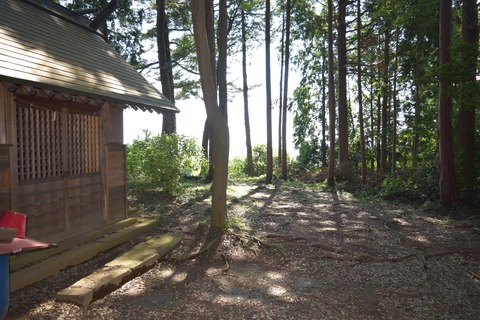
191 119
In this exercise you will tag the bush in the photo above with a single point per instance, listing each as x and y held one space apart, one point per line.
161 161
237 167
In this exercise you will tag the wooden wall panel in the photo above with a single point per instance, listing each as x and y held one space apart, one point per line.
113 124
117 204
116 184
5 181
4 200
43 203
85 203
5 98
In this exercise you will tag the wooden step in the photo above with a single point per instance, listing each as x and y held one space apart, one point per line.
24 259
51 265
117 272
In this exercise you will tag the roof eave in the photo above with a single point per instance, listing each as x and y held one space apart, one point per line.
162 106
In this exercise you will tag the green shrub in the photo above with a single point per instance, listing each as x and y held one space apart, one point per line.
161 161
237 167
405 188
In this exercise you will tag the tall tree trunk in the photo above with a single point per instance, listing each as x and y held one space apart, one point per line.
360 93
210 146
385 100
331 98
222 42
467 103
245 97
372 124
165 64
342 85
394 129
269 95
323 115
378 134
449 195
285 91
418 73
218 123
280 98
416 134
205 139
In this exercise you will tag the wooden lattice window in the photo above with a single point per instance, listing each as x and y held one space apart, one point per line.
52 143
83 143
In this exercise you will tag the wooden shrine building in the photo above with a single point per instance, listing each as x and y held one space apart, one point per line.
63 90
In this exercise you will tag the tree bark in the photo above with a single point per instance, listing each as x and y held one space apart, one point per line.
449 195
218 123
467 103
394 129
342 85
209 145
418 75
280 98
360 93
331 98
323 116
165 64
222 42
245 97
269 173
372 124
285 91
385 101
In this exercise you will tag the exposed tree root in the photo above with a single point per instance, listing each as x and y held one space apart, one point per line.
346 258
194 255
368 258
475 276
331 248
227 265
245 238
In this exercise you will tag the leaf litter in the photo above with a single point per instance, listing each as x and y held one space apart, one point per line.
290 253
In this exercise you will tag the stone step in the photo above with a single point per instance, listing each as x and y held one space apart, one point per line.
117 272
72 253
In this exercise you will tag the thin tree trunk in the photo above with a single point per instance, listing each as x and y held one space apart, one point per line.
379 133
418 73
209 16
394 129
219 126
467 104
331 98
245 98
280 98
416 134
285 92
449 195
360 94
372 124
165 64
205 139
222 42
342 85
269 173
385 98
323 116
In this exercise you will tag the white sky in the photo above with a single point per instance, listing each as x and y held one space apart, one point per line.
191 119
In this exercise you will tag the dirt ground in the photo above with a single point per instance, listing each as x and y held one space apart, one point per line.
291 253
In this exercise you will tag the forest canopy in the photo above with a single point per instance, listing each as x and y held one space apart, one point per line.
373 112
